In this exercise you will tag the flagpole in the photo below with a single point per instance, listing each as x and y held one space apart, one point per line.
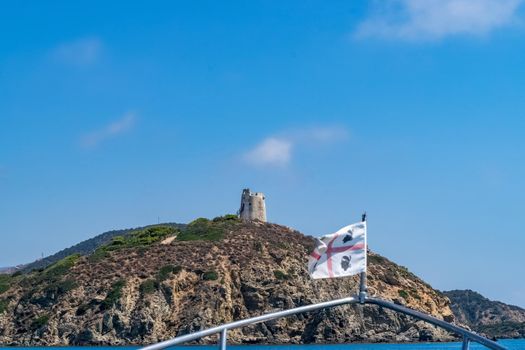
362 277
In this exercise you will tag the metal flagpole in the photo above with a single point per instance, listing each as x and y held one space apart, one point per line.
363 291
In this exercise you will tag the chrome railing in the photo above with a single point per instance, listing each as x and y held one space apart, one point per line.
467 335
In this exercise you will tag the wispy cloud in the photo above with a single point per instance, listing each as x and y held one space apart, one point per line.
271 151
278 150
113 129
426 20
83 51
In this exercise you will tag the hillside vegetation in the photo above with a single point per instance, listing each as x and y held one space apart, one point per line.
493 318
87 247
163 281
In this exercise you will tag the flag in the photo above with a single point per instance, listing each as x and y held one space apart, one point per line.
340 254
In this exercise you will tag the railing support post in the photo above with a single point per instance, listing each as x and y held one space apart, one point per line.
363 290
363 293
223 339
465 345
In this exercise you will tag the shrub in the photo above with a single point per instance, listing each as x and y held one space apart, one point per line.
210 276
39 322
117 241
114 294
204 229
148 287
5 283
62 286
165 272
28 281
377 259
258 246
140 239
280 275
54 291
3 305
283 245
227 218
150 235
26 296
403 294
60 267
99 254
415 294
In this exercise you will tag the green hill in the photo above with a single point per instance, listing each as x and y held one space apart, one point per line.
87 247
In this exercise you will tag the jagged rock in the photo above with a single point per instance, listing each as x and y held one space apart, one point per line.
84 337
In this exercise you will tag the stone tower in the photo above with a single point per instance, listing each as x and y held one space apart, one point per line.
252 206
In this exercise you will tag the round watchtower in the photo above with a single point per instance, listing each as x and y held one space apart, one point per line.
252 206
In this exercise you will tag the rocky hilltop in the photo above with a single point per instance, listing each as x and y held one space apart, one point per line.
163 281
493 318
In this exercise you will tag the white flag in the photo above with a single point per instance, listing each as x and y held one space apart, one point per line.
340 254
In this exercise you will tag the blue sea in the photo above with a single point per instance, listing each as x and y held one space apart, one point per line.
511 344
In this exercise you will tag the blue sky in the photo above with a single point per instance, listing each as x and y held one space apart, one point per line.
113 115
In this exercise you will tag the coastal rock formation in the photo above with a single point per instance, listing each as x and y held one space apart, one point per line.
493 318
139 291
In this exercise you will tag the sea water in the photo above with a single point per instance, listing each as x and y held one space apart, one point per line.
511 344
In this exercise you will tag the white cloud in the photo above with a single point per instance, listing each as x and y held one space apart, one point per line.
279 150
419 20
111 130
83 51
271 151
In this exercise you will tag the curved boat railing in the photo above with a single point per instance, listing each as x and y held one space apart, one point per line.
467 335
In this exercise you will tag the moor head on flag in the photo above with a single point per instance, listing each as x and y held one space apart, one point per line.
340 254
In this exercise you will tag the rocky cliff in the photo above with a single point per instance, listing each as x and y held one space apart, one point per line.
162 282
493 318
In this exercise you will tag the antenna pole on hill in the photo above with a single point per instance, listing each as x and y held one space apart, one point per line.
362 277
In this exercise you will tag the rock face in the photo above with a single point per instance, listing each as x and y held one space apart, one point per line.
142 295
493 318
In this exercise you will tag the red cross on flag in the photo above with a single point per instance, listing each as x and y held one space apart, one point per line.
340 254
